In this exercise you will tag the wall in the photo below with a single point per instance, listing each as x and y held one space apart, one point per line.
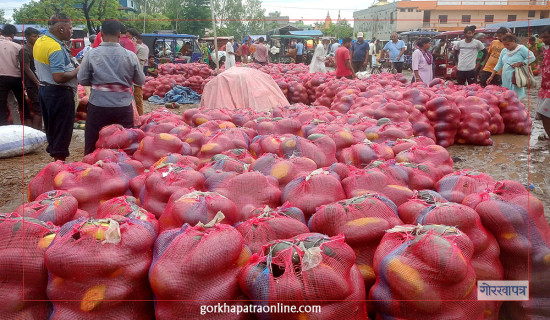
409 20
454 18
376 21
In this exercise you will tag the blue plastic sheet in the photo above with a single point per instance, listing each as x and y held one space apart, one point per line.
179 94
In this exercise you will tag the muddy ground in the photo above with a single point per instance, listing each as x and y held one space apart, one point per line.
521 158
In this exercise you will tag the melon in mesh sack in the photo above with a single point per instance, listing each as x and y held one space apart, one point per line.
285 209
152 148
56 206
317 147
223 140
98 269
363 221
425 272
284 170
242 155
457 185
361 154
125 206
23 243
314 190
197 266
432 155
131 168
194 207
115 136
524 239
164 180
268 226
248 191
44 180
222 163
309 269
485 258
190 161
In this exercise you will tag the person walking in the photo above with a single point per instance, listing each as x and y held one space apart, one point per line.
299 52
111 98
245 48
422 61
230 57
318 61
344 67
10 73
360 53
491 59
512 56
57 74
396 50
543 103
30 80
466 53
261 55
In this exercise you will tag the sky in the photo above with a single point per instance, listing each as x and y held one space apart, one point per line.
309 10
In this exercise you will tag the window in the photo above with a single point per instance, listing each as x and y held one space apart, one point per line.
410 10
391 18
531 14
442 18
466 18
512 17
489 18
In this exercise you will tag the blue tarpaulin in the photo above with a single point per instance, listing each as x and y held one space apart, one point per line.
179 94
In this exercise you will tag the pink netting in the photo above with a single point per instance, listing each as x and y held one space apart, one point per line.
455 186
224 140
44 180
116 136
310 269
360 155
284 170
57 207
153 148
405 144
389 131
222 163
387 180
431 155
131 168
125 206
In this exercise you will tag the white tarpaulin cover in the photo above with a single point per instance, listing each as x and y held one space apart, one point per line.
243 88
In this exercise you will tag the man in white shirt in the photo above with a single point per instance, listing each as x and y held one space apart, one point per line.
466 53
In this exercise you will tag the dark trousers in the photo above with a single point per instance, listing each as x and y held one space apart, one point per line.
99 117
299 58
8 84
484 75
398 66
32 93
357 66
466 76
58 111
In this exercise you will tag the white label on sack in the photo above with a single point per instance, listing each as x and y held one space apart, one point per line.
112 234
504 290
312 257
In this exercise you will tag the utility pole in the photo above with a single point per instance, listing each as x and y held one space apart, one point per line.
144 13
215 37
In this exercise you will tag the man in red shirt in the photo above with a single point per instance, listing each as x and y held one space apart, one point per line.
124 41
245 50
343 60
543 109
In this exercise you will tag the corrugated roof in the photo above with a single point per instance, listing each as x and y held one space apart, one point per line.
310 33
521 24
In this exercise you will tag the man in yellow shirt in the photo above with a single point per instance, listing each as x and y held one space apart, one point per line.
492 58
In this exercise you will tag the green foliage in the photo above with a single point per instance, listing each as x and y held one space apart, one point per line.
2 19
339 30
155 21
193 16
38 12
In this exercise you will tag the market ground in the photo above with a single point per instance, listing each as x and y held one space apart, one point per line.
521 158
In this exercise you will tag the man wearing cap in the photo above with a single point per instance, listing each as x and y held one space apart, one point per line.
360 53
396 50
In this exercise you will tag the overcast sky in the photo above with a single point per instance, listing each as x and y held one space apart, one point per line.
309 10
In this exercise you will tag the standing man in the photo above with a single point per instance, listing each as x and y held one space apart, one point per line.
396 50
466 53
142 56
360 53
326 46
30 80
543 109
57 75
299 52
81 53
334 46
10 72
343 61
373 51
261 54
245 50
491 59
111 71
142 53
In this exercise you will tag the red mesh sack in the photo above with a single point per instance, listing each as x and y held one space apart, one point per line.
248 191
214 254
421 125
377 180
343 137
363 221
115 136
153 148
425 272
360 155
285 210
318 147
444 116
422 200
125 206
267 144
405 144
24 275
189 161
524 240
92 184
309 269
44 180
485 258
434 155
474 122
457 185
224 140
241 155
56 206
131 168
278 126
194 207
314 190
386 130
154 128
98 269
270 225
515 115
284 170
223 163
165 180
422 176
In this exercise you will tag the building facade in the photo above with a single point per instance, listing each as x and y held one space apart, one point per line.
127 6
383 18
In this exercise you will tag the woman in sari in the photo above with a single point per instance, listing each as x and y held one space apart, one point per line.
422 61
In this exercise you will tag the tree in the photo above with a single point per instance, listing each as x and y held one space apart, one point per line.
2 19
193 16
255 17
339 30
153 22
271 21
229 17
39 12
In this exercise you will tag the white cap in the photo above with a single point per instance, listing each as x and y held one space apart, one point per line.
359 34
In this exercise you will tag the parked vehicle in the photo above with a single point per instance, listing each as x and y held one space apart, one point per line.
165 47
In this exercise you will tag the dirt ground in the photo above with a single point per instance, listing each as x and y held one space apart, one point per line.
521 158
